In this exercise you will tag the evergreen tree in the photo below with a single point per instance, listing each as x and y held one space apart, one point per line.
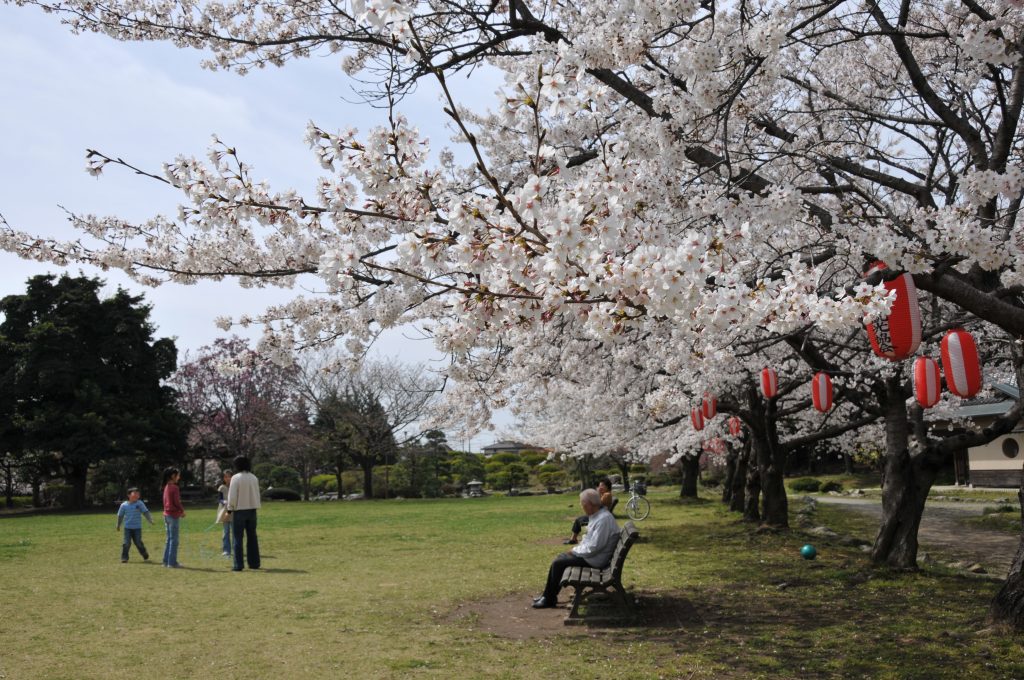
83 380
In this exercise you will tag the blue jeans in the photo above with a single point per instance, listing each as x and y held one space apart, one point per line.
226 540
243 522
171 547
133 536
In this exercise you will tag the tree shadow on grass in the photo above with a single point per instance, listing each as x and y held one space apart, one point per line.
279 570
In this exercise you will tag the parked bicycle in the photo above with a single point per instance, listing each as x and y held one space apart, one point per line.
638 507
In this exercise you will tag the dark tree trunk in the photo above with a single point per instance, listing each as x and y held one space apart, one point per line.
752 492
77 477
731 461
623 466
771 460
337 476
847 463
690 466
739 480
1008 604
307 472
584 472
906 482
37 493
368 479
9 483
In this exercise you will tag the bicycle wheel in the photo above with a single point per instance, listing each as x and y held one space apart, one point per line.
638 508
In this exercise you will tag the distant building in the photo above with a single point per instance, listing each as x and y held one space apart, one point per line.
997 463
510 447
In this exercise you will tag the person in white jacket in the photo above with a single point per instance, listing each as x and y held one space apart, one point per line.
596 550
243 502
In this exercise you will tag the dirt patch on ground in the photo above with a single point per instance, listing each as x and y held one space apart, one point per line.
513 616
942 534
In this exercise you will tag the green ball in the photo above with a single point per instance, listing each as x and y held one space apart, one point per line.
808 552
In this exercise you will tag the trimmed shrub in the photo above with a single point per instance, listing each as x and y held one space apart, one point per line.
284 476
322 483
60 495
831 486
805 485
712 478
662 479
282 494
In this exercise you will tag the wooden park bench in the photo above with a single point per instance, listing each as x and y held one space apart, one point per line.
586 581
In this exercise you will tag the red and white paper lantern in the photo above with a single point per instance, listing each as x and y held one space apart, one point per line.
960 363
697 418
709 407
735 426
821 391
898 335
769 382
927 382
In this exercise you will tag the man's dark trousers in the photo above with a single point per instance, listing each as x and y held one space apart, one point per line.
243 522
558 567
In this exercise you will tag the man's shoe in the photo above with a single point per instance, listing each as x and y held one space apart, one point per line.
570 541
542 603
123 561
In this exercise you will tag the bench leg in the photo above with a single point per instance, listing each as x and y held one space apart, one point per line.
622 598
577 600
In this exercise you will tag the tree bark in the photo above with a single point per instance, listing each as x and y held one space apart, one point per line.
752 492
9 483
77 477
337 476
771 460
690 466
739 482
1008 604
731 461
368 479
905 485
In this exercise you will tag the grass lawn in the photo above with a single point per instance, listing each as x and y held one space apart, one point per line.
375 589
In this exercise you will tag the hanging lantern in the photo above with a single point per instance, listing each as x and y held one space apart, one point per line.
735 426
697 418
897 336
821 391
709 407
769 383
927 382
960 363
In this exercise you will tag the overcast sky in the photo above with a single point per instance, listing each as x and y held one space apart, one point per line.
61 94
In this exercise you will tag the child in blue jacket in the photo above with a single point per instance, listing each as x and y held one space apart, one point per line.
130 514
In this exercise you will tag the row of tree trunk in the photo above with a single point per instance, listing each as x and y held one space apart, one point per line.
754 484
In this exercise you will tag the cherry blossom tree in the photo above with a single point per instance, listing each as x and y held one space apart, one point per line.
714 169
239 403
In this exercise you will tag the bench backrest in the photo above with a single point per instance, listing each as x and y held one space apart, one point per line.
627 537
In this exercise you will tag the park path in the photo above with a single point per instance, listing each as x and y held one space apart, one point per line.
942 534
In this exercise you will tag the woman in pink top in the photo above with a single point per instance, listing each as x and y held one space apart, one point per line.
173 512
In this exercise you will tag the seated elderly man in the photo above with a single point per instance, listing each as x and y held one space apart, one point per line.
595 550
